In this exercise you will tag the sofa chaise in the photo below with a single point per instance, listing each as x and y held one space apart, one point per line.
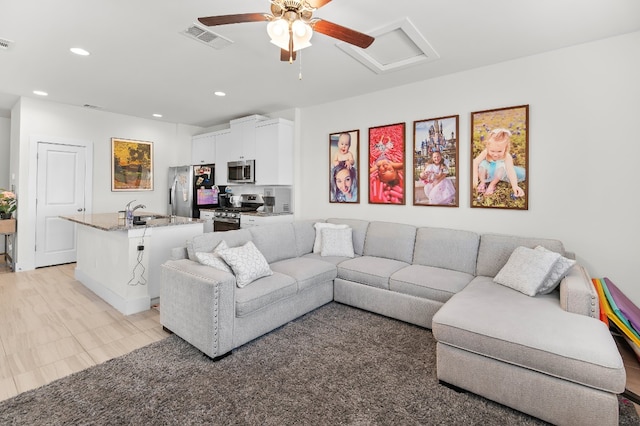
548 355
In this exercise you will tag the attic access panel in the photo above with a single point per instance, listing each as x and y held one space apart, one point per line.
397 46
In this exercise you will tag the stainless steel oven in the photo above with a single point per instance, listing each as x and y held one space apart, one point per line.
226 221
241 171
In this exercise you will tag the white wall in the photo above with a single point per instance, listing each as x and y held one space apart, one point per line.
171 143
5 133
583 150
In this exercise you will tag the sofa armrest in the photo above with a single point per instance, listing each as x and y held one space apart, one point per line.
577 293
197 303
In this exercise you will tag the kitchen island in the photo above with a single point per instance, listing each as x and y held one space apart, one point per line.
120 263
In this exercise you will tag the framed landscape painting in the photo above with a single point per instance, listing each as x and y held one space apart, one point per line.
435 162
131 165
500 153
344 152
386 164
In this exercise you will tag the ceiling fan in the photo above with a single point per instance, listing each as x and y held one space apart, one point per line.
291 26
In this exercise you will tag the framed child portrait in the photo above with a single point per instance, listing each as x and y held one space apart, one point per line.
435 162
500 153
131 165
386 164
344 152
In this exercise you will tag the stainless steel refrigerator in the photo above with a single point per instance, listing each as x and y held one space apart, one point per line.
192 188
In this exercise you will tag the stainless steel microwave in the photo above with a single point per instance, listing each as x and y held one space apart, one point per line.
241 171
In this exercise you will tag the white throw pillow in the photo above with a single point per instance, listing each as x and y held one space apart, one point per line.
337 242
317 245
557 273
213 258
526 270
247 262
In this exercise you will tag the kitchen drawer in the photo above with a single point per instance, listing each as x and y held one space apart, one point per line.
249 220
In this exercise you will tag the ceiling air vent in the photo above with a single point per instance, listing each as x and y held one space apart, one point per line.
5 44
207 37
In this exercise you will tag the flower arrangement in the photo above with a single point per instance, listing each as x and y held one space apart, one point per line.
7 203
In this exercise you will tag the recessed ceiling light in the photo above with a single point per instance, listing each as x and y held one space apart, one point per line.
40 93
218 93
157 115
79 51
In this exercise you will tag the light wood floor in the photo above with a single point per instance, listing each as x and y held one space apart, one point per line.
52 326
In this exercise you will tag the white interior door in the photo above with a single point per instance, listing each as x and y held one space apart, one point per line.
60 192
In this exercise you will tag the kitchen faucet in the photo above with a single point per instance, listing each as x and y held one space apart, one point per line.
139 206
129 211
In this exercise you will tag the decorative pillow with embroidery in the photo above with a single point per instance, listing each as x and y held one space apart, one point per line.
247 263
527 270
317 245
557 273
337 242
213 258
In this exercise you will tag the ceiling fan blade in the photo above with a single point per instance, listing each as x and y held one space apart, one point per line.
343 33
211 21
317 3
284 55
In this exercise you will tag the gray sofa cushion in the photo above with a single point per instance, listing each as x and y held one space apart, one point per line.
369 270
359 231
539 335
428 282
209 240
305 235
264 292
495 250
447 248
391 241
276 241
306 271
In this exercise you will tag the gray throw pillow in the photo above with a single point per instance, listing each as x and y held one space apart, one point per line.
526 270
247 262
557 273
213 258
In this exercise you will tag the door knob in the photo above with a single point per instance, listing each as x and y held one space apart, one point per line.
80 209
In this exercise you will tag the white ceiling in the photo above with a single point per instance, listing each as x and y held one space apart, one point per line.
140 64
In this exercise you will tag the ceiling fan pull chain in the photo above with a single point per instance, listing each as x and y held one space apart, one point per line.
300 75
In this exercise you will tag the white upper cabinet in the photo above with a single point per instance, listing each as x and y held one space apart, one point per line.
274 152
267 141
224 146
243 133
203 149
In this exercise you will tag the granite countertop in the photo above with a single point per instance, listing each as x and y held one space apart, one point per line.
110 221
253 213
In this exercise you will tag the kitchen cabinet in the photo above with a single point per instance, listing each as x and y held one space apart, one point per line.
224 144
249 220
203 149
274 152
243 134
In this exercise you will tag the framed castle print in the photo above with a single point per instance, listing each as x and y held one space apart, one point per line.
435 162
344 152
386 164
500 153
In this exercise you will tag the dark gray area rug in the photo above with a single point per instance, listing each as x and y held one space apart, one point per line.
336 365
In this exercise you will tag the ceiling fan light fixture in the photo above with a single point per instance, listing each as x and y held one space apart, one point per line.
278 30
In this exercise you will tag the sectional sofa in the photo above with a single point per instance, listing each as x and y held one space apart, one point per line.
548 355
